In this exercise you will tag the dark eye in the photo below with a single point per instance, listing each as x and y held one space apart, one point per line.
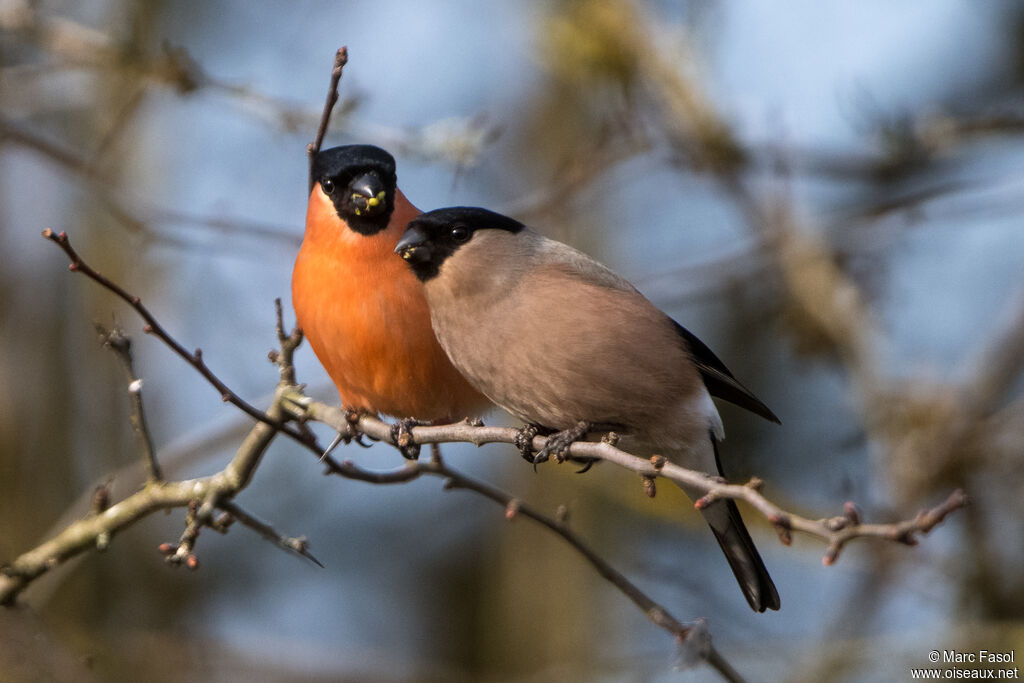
328 185
460 233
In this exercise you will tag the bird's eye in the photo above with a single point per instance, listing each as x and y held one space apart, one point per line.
460 233
328 185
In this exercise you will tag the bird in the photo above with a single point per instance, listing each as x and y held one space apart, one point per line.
363 312
566 345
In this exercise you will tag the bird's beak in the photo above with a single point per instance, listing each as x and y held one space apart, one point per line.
368 195
412 247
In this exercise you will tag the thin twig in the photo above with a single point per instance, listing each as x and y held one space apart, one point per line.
299 546
121 345
182 552
720 664
288 343
313 148
515 507
195 358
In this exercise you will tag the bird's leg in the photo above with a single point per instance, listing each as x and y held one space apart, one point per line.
401 437
558 443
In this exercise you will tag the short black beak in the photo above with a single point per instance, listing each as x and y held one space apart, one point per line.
368 193
412 247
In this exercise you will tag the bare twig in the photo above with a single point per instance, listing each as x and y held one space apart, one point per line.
298 546
313 148
116 341
194 358
834 531
181 554
201 496
288 343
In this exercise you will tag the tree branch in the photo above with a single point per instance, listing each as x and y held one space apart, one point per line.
313 148
116 341
195 358
836 531
298 546
97 529
514 507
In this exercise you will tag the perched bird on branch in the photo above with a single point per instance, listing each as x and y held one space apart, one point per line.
566 345
362 310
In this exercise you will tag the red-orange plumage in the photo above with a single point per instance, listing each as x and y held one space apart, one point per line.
366 318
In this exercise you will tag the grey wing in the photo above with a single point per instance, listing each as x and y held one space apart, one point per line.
719 380
592 351
580 266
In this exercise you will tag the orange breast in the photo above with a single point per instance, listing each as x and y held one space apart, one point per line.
366 318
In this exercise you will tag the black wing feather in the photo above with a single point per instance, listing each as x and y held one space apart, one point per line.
719 380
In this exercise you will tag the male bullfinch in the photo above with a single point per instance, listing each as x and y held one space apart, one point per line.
362 310
563 343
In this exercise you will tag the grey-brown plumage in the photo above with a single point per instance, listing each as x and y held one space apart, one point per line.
556 338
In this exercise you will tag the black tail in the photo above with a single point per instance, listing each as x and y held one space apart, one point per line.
732 535
744 560
733 538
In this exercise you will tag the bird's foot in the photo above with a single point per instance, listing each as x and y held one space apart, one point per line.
352 418
524 441
401 437
610 438
558 444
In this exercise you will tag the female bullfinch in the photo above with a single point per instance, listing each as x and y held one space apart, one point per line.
563 343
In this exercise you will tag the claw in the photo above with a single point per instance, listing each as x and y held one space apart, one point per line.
586 462
401 437
352 417
558 443
524 442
